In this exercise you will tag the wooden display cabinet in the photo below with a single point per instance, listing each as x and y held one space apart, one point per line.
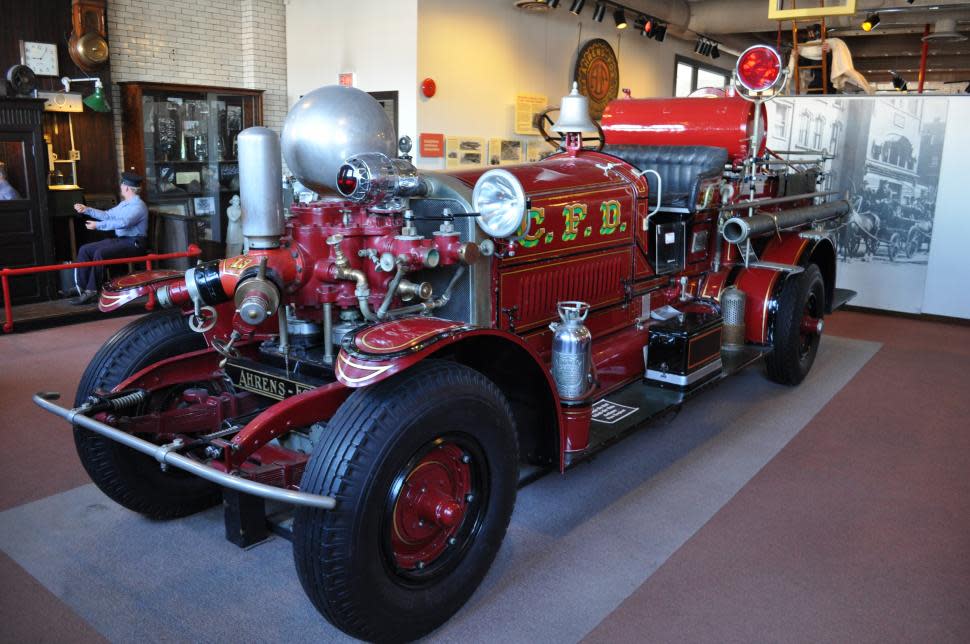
182 139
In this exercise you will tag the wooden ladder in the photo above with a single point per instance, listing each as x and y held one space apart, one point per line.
823 63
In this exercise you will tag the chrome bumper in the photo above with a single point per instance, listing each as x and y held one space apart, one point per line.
167 455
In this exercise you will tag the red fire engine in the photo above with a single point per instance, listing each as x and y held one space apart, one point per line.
385 359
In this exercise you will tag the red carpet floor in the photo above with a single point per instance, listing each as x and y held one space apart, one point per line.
859 530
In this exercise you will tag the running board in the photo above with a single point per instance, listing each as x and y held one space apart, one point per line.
841 297
617 415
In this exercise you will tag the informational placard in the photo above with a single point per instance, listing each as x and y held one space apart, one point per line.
505 151
464 151
526 107
347 79
431 146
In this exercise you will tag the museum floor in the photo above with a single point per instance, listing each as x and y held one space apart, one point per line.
838 511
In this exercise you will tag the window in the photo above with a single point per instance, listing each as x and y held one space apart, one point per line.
819 125
690 75
780 126
804 122
836 136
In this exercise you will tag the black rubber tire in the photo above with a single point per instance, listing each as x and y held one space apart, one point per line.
339 554
789 362
130 478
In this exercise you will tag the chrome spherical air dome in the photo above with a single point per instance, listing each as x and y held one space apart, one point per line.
330 125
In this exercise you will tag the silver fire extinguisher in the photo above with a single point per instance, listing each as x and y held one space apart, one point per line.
572 347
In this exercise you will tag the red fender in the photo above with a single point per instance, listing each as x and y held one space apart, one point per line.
130 287
382 350
761 285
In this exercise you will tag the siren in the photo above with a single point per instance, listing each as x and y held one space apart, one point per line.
759 69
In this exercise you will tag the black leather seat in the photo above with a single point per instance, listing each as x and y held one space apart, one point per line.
681 169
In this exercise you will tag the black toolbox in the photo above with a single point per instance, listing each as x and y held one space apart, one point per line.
684 351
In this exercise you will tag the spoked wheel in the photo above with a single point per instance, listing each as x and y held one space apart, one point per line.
544 124
913 243
797 328
895 246
423 466
131 478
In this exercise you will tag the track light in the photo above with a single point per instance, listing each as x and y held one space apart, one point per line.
870 22
552 3
620 18
599 12
647 28
714 52
698 45
659 31
576 6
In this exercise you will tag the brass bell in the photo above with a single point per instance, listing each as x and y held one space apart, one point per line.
574 114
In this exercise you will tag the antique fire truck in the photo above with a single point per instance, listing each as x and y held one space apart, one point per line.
386 358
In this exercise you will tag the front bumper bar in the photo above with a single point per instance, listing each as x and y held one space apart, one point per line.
167 455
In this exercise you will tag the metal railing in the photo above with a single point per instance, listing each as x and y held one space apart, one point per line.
7 273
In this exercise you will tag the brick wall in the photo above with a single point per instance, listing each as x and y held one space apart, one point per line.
227 43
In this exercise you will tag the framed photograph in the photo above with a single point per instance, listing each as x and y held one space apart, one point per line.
505 151
464 152
178 208
204 206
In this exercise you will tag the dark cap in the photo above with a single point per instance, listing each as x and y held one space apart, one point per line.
131 179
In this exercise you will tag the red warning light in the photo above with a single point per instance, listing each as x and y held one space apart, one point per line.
759 68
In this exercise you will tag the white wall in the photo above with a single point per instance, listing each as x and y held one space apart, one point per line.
377 39
481 54
225 43
948 272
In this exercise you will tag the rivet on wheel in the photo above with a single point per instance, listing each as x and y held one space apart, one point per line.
452 541
420 522
469 497
420 565
465 458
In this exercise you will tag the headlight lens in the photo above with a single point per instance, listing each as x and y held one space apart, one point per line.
500 201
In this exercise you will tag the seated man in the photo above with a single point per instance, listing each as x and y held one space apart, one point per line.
129 220
7 191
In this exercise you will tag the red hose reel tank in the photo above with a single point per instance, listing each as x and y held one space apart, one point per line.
723 122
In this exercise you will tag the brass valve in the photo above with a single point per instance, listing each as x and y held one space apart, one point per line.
257 298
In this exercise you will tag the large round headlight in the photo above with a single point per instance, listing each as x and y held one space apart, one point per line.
499 200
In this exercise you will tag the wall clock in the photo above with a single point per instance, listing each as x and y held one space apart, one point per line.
88 45
41 57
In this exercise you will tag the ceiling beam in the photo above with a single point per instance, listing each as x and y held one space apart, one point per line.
910 63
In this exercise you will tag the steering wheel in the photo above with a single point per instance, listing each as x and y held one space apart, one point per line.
556 140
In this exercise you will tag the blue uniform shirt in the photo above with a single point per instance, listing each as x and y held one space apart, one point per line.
127 219
7 191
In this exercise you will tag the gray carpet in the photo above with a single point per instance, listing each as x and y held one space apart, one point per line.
577 546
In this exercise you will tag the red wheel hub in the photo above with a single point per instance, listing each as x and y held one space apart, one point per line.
430 506
811 325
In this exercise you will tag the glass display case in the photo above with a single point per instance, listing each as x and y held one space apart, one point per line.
182 139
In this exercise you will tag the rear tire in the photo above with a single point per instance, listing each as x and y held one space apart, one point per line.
380 566
793 345
131 478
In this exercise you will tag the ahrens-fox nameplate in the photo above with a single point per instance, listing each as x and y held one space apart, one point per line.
263 383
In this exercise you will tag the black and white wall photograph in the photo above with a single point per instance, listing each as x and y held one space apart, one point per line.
885 154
